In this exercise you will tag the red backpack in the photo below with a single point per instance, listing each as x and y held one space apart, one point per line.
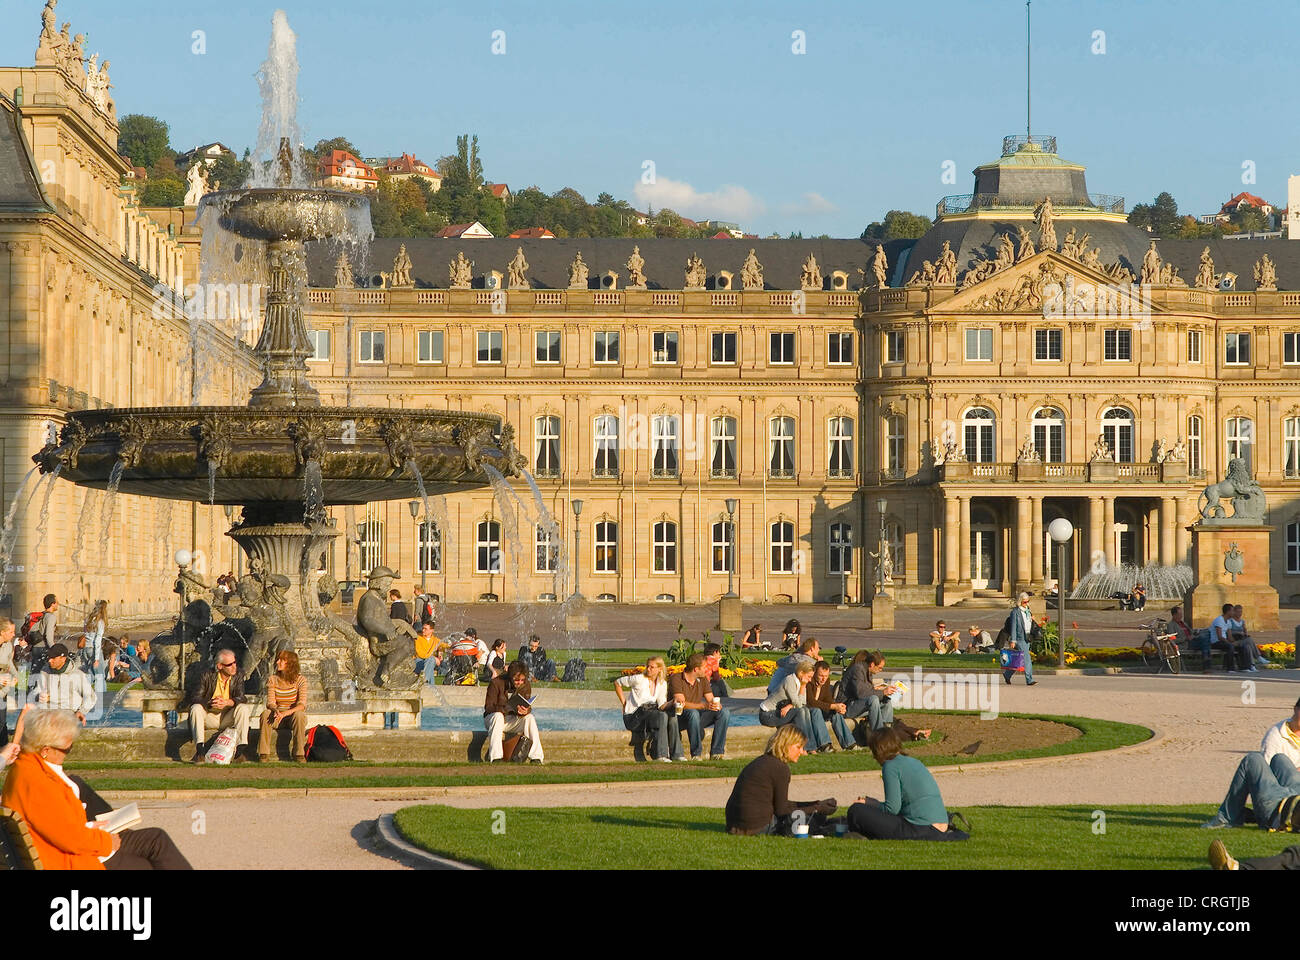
326 745
32 620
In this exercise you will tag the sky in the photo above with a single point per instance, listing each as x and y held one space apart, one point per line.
785 115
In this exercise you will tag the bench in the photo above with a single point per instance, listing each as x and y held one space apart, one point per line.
17 850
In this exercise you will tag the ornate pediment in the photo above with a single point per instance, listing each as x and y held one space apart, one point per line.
1050 285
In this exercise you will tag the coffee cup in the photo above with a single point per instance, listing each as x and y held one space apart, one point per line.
801 831
680 707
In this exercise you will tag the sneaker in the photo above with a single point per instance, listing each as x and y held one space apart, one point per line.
1216 822
700 757
718 756
665 760
1262 662
1220 859
534 761
826 748
851 746
1030 683
1251 670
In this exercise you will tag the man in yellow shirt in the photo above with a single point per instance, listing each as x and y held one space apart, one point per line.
428 647
220 696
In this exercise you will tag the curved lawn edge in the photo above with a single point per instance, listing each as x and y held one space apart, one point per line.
1096 735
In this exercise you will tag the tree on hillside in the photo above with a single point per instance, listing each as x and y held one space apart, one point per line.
463 170
898 225
146 140
1160 216
668 223
229 172
325 147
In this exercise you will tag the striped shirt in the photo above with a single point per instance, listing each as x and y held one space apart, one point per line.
284 694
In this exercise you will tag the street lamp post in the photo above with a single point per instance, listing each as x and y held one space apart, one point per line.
1060 530
731 546
577 545
421 541
234 549
881 506
183 560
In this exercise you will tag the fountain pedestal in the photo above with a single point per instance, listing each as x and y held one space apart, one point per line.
1230 564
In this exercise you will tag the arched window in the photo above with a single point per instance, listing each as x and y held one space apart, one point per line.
1239 436
722 535
841 549
606 440
487 553
546 431
894 540
665 547
1049 434
606 543
781 434
978 427
1293 547
1117 428
895 449
839 430
722 442
1194 445
781 541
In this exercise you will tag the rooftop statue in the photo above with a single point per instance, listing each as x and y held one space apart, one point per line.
880 268
810 278
343 278
695 273
1150 266
1101 451
636 270
578 273
1006 255
751 272
1046 229
461 272
401 275
1265 274
1205 276
518 269
945 271
1026 245
197 178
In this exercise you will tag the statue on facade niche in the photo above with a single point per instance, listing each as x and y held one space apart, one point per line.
518 269
1101 451
751 272
636 270
695 273
1162 451
401 275
1240 487
1029 452
1150 267
945 271
461 272
1046 229
343 279
880 268
1026 245
810 277
947 452
1178 452
197 178
578 273
1265 274
1205 276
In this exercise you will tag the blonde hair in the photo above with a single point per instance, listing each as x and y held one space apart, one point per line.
49 728
802 667
663 667
785 737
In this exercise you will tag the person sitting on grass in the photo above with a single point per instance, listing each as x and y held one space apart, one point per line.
533 656
1268 776
943 640
791 636
286 699
647 712
698 708
913 807
501 718
822 706
863 692
753 639
978 640
760 800
789 704
496 665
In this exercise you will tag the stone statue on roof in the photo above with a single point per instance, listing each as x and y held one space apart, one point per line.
1092 259
1169 276
1046 229
47 50
1026 245
578 273
343 279
197 178
695 273
1006 255
880 268
1070 246
945 270
636 270
401 276
751 272
810 277
518 269
1150 266
1205 276
461 272
1265 274
924 276
76 54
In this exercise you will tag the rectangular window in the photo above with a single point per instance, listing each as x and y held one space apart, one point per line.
606 542
320 344
979 344
548 346
606 439
1291 348
428 548
665 346
782 544
781 464
1293 548
839 348
895 347
546 431
1194 445
1193 346
1047 344
371 545
606 347
722 437
548 551
487 552
1236 348
724 348
665 547
663 445
430 346
1119 345
372 346
722 534
1291 447
840 431
489 346
782 348
841 549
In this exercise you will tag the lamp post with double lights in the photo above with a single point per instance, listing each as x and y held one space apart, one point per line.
577 545
1060 530
881 506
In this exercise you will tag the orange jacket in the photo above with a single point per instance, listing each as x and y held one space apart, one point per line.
54 815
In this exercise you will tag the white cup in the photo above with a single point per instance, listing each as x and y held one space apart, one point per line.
801 831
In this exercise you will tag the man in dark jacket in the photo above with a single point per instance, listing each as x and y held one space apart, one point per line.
535 659
219 695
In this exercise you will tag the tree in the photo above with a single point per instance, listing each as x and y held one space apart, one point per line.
898 225
325 147
146 140
167 192
668 223
1160 216
229 172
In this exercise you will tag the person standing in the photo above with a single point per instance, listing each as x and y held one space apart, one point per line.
286 699
219 696
1022 625
61 686
9 675
398 609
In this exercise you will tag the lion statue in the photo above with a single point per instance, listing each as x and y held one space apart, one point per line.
1238 486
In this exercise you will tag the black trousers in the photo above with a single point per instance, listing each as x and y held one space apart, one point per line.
148 849
874 823
1288 859
4 721
1236 656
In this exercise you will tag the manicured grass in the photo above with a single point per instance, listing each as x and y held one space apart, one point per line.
694 838
1095 735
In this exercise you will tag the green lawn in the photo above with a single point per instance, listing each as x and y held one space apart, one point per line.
693 838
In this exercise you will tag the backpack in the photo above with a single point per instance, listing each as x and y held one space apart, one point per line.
1005 633
326 745
575 671
30 623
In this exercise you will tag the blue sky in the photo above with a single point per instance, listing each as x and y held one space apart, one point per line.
738 126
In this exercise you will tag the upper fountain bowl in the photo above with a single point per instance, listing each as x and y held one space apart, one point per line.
283 213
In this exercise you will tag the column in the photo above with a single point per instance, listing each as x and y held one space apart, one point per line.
963 540
1095 513
1036 540
1182 536
1168 517
951 507
1022 537
1108 530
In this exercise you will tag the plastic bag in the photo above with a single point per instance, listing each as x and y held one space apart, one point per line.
223 748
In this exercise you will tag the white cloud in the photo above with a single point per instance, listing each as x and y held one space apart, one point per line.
810 204
728 202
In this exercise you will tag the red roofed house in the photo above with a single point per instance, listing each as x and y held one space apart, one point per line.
499 190
721 235
532 233
1244 200
466 231
406 166
339 170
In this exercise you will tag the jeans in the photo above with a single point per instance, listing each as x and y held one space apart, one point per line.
1267 785
658 726
1023 647
814 731
879 711
4 722
696 720
1288 859
838 723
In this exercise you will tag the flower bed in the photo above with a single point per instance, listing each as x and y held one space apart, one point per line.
757 668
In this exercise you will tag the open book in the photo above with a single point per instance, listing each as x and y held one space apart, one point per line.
123 818
517 700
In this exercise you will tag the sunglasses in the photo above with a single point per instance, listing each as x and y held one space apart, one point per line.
63 750
230 664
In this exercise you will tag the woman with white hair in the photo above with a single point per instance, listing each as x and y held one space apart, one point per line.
50 803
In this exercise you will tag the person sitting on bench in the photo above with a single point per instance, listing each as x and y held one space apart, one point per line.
647 712
1235 655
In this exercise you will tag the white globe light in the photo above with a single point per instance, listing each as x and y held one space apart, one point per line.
1060 529
183 558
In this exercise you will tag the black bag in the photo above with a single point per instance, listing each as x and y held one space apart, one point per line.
575 671
326 745
1035 633
1004 635
523 747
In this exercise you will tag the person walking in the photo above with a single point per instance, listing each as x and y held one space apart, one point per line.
1022 625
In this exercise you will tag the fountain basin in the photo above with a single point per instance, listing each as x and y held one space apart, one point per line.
281 213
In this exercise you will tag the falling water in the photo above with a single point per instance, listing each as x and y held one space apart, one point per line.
10 535
1160 582
110 502
313 494
83 527
278 81
510 536
413 469
212 483
43 523
116 705
551 526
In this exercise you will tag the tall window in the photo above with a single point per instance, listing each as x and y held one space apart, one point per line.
547 552
722 546
895 347
371 541
606 542
839 433
1293 548
722 443
1194 444
1048 344
1118 344
664 343
1239 434
606 439
430 343
1291 446
1117 428
665 547
841 552
895 445
372 346
781 433
723 348
548 346
1049 434
978 427
781 538
489 346
782 345
979 344
487 547
1291 348
1193 346
428 548
839 348
1236 348
319 341
546 431
894 541
606 346
663 445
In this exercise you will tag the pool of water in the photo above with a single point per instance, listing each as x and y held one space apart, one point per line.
471 718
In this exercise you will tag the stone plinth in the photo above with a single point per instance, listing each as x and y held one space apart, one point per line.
1029 470
1102 470
730 615
1216 585
882 612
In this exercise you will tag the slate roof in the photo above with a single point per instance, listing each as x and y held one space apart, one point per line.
20 188
1236 256
665 259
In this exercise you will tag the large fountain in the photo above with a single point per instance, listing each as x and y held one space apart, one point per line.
283 458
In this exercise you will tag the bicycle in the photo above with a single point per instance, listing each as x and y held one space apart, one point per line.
1159 649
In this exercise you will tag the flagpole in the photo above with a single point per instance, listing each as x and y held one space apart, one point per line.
1027 70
